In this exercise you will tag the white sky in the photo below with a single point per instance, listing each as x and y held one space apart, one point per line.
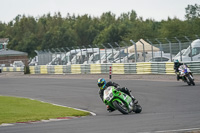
155 9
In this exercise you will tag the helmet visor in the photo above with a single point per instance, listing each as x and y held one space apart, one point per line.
100 84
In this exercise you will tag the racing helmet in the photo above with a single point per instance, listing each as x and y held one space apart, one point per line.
101 83
176 61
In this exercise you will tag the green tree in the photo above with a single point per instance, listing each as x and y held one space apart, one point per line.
2 30
192 11
85 30
172 28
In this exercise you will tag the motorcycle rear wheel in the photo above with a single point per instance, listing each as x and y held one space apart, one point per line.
138 109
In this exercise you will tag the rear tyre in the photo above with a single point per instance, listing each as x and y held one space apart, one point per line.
121 107
138 109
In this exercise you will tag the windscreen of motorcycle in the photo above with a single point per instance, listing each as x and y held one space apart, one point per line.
108 94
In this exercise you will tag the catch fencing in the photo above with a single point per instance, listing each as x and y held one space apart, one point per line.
144 50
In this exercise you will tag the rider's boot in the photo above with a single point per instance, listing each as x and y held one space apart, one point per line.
178 77
109 109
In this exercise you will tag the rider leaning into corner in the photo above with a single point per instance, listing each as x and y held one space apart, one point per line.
103 85
177 64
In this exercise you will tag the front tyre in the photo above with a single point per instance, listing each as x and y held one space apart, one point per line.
191 79
121 107
187 80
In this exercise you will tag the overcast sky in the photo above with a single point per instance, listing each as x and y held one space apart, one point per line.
155 9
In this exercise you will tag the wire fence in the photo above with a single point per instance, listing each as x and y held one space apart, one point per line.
144 50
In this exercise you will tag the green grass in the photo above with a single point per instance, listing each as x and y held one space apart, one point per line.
13 109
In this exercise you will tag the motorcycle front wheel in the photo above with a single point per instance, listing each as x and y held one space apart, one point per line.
187 80
121 107
191 79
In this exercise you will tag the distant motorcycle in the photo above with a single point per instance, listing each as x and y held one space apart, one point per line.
186 74
120 101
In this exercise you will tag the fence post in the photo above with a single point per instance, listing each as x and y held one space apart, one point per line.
190 46
127 51
60 56
143 50
179 42
80 61
76 54
99 53
92 52
170 48
110 72
151 47
55 53
112 50
135 50
64 56
69 55
119 51
86 53
105 52
161 50
50 55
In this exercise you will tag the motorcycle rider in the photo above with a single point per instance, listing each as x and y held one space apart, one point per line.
103 85
177 64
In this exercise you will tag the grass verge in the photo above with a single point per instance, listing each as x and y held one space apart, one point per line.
14 109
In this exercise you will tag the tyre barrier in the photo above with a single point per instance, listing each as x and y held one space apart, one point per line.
117 68
12 69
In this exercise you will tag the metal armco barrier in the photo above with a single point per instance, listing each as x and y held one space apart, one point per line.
169 68
143 68
75 69
95 68
130 68
160 68
194 67
120 68
12 69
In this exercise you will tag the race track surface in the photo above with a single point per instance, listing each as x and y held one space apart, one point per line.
167 105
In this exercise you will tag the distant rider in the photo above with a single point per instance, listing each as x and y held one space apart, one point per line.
103 85
177 64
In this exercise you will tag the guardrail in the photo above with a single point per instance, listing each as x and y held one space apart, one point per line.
127 68
121 68
12 69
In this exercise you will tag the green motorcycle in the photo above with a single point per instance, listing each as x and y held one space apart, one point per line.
120 101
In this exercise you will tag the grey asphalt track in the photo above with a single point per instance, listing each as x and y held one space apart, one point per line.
167 105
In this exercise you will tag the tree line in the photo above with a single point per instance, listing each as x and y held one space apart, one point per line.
27 33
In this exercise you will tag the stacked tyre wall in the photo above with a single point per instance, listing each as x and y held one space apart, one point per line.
129 68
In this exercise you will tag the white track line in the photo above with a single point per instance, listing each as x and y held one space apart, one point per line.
168 131
178 130
92 113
